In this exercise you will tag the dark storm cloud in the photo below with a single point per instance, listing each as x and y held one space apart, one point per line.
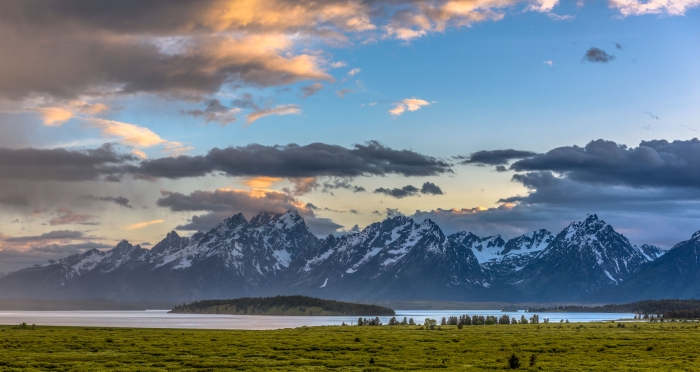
313 160
14 200
494 157
119 200
403 192
656 163
52 235
430 188
61 164
548 189
230 202
596 55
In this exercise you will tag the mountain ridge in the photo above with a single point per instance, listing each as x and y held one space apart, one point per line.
394 259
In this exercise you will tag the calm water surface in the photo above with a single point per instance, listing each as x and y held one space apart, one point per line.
162 319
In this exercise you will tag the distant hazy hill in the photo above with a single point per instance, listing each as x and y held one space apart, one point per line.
282 305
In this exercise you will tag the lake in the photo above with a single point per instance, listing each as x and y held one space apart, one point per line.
162 319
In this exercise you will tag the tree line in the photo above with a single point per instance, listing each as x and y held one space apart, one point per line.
258 305
460 321
686 309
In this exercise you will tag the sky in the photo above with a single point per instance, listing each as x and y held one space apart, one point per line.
128 119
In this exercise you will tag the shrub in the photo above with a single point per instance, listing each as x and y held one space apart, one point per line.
513 361
533 360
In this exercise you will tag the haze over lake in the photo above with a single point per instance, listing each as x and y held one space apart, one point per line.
163 319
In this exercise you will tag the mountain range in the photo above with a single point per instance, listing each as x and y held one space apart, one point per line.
395 259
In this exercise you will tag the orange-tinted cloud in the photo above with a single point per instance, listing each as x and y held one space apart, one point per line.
136 136
408 104
141 225
54 116
278 110
261 182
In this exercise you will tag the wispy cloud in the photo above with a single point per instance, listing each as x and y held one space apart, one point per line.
66 216
354 71
141 225
277 110
343 92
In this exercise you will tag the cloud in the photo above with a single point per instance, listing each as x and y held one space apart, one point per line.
651 115
61 164
656 163
54 116
548 63
223 203
322 226
294 161
104 62
650 192
277 110
393 212
52 235
666 7
341 183
428 188
119 200
14 200
403 192
310 90
557 17
66 216
215 112
618 46
354 71
232 201
57 116
141 225
495 157
410 104
183 49
261 182
136 136
303 186
596 55
342 92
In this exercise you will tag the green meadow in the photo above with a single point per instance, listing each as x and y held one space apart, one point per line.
555 347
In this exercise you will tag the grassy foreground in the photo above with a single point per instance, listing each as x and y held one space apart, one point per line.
557 347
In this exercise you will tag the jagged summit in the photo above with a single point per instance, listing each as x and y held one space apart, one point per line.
696 235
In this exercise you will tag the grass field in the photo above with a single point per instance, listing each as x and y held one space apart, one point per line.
557 347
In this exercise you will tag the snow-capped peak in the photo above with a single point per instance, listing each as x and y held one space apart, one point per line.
584 228
696 236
